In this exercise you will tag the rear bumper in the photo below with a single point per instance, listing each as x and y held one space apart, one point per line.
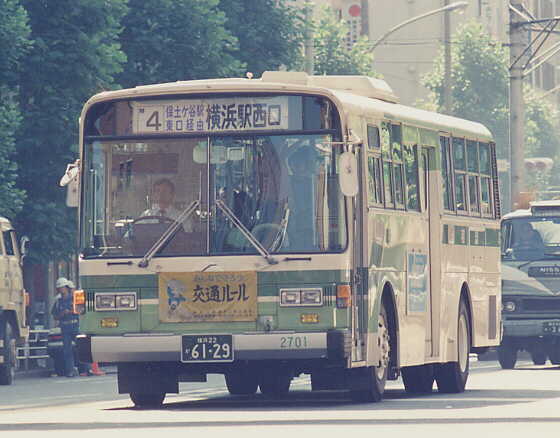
260 346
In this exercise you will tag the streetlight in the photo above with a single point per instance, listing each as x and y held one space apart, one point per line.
447 8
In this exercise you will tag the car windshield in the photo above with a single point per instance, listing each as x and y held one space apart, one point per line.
532 238
282 188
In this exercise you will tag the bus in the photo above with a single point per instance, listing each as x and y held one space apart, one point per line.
294 224
531 284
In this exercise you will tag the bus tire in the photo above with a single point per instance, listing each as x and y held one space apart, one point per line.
8 367
241 382
147 400
507 356
275 382
418 379
369 382
451 377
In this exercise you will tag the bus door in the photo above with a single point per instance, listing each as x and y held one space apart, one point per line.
431 216
359 272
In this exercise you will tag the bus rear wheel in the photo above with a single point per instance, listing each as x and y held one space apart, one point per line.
147 400
451 377
418 379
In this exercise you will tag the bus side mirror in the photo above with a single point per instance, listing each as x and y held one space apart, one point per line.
348 174
70 180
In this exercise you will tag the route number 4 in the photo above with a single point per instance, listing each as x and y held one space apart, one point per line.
153 121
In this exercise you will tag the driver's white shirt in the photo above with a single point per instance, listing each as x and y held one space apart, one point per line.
169 212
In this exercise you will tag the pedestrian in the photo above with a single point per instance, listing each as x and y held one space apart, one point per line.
63 312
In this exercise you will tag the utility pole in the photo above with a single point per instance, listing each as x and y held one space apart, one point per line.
447 59
308 44
516 104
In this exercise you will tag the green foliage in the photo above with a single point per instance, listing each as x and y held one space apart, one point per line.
479 78
15 42
480 81
11 198
269 33
330 53
14 39
171 40
76 54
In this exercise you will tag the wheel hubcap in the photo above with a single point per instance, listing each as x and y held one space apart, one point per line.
462 340
384 347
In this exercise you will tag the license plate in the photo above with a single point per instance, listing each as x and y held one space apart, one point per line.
206 348
551 327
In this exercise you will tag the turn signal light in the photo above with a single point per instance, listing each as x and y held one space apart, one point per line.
343 296
79 301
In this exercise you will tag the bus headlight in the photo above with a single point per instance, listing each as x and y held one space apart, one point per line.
508 306
115 301
301 297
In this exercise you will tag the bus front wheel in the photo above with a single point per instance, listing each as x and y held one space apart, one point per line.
368 384
451 377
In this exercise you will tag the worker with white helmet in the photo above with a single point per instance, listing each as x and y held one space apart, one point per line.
63 312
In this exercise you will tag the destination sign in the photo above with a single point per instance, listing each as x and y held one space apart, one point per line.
210 115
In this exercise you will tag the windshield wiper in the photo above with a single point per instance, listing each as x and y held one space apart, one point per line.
168 233
235 220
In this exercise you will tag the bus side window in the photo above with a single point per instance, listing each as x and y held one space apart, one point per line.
485 180
459 167
411 169
446 181
375 183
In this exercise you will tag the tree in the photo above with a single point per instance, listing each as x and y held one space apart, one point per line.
479 78
75 54
172 40
480 81
15 42
269 33
330 53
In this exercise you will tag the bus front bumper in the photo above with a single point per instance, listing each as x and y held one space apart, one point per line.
334 344
531 327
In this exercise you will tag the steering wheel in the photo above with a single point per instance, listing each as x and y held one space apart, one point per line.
159 219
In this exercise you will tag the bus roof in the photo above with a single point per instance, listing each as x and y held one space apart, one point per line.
357 94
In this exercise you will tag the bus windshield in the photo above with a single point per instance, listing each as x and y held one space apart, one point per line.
532 238
283 189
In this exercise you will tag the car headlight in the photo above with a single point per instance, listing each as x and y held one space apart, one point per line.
508 306
115 301
301 297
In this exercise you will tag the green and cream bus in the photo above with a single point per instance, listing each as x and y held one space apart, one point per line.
310 225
